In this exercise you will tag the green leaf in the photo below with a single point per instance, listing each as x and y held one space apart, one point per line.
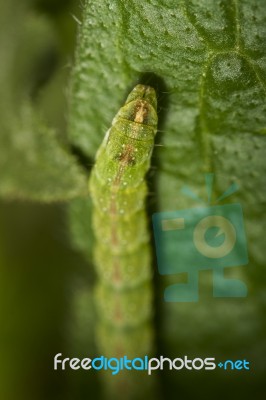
34 166
211 58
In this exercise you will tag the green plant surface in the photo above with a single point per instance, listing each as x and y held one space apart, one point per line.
207 60
34 163
211 57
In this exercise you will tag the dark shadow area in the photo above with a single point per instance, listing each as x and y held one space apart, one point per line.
85 161
53 7
39 271
43 70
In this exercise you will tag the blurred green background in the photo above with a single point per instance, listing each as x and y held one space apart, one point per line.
39 273
45 285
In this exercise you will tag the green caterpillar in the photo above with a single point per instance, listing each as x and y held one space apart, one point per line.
118 190
122 253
